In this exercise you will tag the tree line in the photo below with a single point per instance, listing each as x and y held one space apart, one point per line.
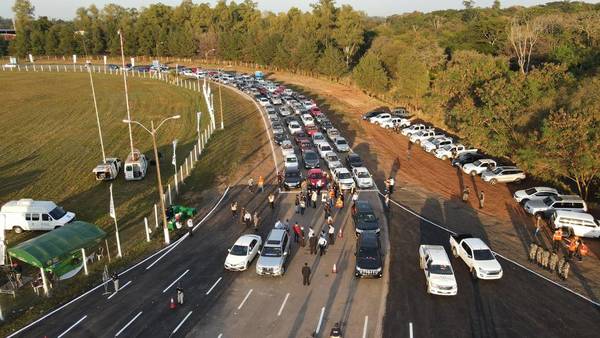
519 83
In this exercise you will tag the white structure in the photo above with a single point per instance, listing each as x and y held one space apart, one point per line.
27 214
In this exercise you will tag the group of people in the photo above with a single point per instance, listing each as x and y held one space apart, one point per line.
575 245
467 192
246 217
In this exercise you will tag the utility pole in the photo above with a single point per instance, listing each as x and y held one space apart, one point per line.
126 92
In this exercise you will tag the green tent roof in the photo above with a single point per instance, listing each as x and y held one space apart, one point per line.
48 249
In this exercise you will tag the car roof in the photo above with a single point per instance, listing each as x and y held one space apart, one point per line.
246 239
359 169
368 239
476 244
362 205
574 214
567 198
342 170
315 170
353 156
543 189
275 235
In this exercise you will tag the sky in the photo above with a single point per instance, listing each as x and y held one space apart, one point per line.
65 9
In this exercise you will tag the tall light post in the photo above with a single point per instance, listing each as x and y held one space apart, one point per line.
221 105
153 132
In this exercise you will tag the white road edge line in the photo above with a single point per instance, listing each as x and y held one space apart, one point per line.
181 323
127 325
245 299
365 327
121 288
187 234
320 321
497 254
176 280
212 287
72 326
283 304
410 330
220 335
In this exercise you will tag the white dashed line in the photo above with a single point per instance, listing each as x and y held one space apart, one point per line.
320 320
72 326
410 330
212 287
245 299
283 304
220 335
181 323
365 327
121 288
127 325
176 280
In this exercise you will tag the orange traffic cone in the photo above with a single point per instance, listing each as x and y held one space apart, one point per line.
334 268
172 305
340 233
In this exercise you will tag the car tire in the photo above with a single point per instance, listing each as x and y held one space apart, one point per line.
518 180
473 173
418 142
493 181
428 289
523 201
421 263
444 158
17 229
474 274
454 253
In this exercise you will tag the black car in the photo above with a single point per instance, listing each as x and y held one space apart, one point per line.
354 161
401 112
310 158
369 260
325 126
373 113
466 158
364 218
112 67
292 178
279 137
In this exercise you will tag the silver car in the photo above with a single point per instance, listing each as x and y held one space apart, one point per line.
341 144
274 254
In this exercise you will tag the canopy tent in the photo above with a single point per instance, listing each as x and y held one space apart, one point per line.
48 250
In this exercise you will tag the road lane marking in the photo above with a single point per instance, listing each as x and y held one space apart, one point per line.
212 287
365 327
180 240
283 304
496 254
320 320
127 325
181 323
220 335
245 299
72 326
410 330
176 280
121 288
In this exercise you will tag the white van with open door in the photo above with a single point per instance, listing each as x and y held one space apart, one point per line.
27 214
136 166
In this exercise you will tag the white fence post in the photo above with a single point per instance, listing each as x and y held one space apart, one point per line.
147 229
176 185
169 190
187 171
181 171
156 215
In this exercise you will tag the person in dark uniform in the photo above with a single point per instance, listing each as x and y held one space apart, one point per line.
305 274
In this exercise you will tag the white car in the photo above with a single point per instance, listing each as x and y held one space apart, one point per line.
439 274
276 100
452 151
506 174
535 193
332 133
285 111
307 120
363 177
287 148
477 256
290 161
395 122
263 101
333 161
479 166
432 145
270 110
343 177
318 138
380 118
413 129
341 144
288 92
308 104
423 135
323 149
294 127
243 252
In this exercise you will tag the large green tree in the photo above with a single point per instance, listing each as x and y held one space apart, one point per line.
370 75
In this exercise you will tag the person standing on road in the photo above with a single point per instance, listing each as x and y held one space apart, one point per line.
261 183
297 203
242 214
312 241
319 186
322 244
465 195
314 198
305 274
190 225
272 200
115 279
537 228
279 179
408 151
573 244
179 294
481 199
582 250
331 233
302 205
251 184
297 232
234 206
327 210
302 236
256 220
557 239
323 197
247 218
392 184
354 197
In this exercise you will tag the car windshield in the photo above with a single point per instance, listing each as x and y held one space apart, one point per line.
368 253
366 217
292 160
362 174
354 159
483 255
239 250
344 175
477 163
292 174
316 175
57 213
548 201
497 170
332 158
340 141
530 191
318 137
309 155
271 251
440 269
325 148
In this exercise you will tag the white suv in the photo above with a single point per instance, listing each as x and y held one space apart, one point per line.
413 129
274 253
479 166
343 177
503 174
430 146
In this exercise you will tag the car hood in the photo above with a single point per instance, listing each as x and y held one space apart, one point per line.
346 180
536 203
442 280
235 260
520 194
314 160
468 166
292 179
269 262
368 263
491 265
365 225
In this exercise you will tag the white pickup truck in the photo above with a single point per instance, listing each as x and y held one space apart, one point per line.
439 274
452 151
109 170
477 256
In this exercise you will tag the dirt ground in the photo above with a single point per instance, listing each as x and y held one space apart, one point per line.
423 177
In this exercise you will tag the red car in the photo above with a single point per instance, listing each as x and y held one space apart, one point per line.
315 175
305 144
298 137
311 130
315 111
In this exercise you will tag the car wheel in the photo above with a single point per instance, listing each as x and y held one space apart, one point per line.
428 289
17 229
417 142
523 201
539 215
473 173
473 273
421 263
282 270
454 253
518 180
493 181
444 158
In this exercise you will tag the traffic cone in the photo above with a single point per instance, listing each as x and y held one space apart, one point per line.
172 305
340 233
334 268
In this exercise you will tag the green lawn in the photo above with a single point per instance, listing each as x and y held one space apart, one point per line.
50 145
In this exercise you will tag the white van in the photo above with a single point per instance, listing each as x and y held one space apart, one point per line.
27 214
578 223
136 166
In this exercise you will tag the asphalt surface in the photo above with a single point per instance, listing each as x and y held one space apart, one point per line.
220 303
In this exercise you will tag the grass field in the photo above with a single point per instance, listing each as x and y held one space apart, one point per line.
50 144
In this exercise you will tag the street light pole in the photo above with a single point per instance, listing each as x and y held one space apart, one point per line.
152 131
221 106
